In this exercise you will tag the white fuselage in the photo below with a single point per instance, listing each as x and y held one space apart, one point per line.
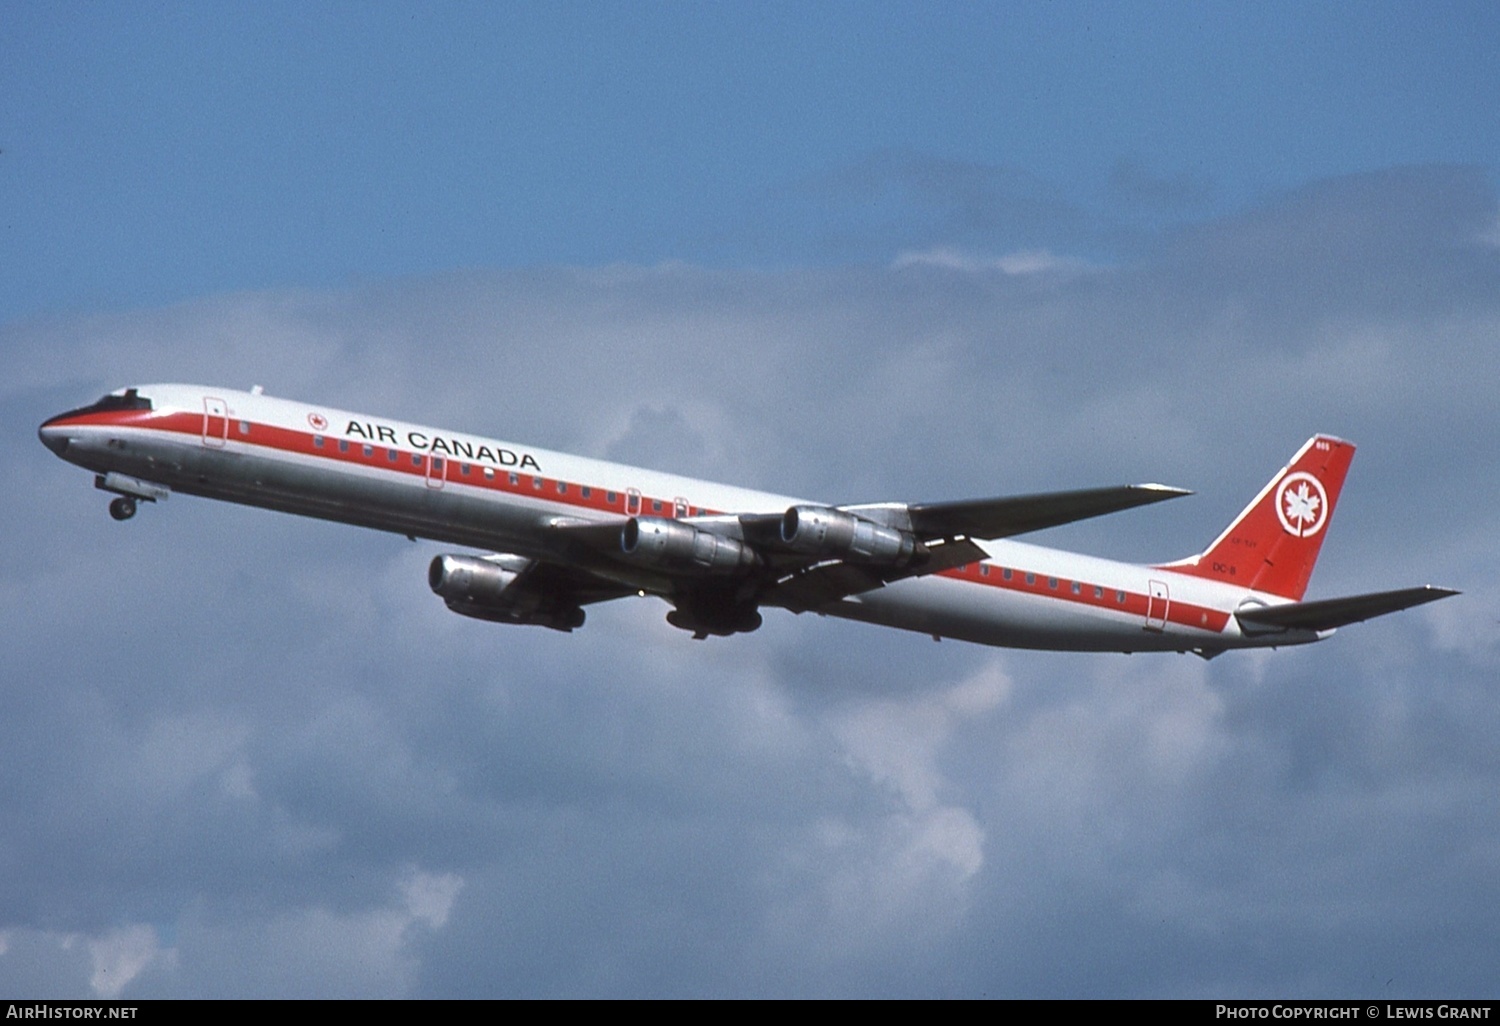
504 497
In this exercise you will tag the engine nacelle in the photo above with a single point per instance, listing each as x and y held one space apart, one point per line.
664 542
485 588
472 579
834 534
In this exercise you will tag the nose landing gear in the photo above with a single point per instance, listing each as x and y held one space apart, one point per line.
130 490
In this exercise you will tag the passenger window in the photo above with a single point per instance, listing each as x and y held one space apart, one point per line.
1005 572
562 488
1052 583
343 445
369 451
536 483
317 441
1120 597
416 459
656 505
1077 588
586 491
1031 578
391 454
244 427
984 570
1098 592
488 472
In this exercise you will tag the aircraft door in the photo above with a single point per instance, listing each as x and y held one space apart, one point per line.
437 470
215 422
1158 601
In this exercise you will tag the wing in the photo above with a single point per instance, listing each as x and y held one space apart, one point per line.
1017 514
945 531
718 568
1328 614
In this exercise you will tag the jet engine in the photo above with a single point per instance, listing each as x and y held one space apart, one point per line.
487 588
834 534
663 542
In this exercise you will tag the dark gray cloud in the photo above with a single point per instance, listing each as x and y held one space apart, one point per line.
251 754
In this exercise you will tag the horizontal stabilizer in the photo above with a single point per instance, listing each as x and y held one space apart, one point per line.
1327 614
1018 514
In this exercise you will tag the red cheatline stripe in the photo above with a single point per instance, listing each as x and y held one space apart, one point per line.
1135 604
539 486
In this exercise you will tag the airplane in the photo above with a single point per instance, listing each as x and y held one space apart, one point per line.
557 532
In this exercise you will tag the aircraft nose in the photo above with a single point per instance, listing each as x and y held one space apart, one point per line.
53 437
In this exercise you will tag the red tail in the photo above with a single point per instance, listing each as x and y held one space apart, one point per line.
1274 543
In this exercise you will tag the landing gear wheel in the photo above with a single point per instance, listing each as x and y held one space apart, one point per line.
122 508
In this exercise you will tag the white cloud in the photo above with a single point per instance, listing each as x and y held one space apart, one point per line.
47 963
910 864
1020 262
316 950
119 956
898 741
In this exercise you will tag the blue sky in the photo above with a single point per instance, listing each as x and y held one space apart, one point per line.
204 147
854 251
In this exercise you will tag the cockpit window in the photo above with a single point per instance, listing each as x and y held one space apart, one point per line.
129 400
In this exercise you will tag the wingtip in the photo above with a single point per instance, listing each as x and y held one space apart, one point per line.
1166 491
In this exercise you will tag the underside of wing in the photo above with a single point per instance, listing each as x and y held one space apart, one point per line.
826 583
1328 614
577 586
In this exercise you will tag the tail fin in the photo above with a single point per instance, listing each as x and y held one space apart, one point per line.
1274 543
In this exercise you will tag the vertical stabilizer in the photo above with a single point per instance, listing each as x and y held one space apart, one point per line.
1274 543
